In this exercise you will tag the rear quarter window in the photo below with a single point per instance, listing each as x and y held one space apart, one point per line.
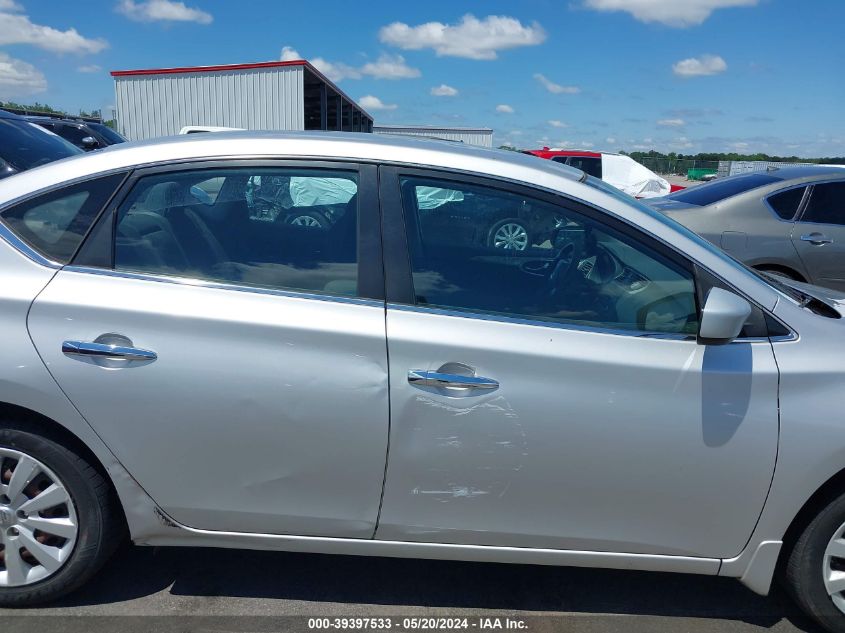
785 203
55 223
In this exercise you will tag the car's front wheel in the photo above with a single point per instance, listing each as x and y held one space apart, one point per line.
58 521
815 569
510 234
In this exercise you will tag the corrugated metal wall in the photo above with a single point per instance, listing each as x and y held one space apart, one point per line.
734 167
481 136
257 99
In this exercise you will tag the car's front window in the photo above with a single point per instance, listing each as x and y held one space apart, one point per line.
487 250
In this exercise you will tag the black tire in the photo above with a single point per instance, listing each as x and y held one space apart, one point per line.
803 573
491 234
101 527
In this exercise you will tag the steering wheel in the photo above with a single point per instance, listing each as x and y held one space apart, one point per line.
562 266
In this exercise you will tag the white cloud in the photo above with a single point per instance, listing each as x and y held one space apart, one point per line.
162 11
289 54
385 67
587 145
369 102
504 108
390 67
610 140
18 29
671 122
88 68
556 88
336 71
739 146
676 13
471 38
444 91
10 5
18 78
700 66
556 123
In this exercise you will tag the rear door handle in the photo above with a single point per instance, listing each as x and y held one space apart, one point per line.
104 350
816 239
425 378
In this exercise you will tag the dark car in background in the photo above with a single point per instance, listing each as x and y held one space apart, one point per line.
86 135
24 145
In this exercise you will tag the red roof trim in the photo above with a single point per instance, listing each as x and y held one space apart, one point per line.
208 69
548 153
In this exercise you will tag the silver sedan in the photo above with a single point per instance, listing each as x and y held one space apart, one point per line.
789 222
185 363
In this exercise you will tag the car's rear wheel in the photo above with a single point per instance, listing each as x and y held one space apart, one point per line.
815 569
510 234
58 521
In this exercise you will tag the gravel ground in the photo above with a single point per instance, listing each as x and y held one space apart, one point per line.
183 589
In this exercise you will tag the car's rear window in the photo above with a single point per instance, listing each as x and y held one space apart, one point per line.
718 190
25 145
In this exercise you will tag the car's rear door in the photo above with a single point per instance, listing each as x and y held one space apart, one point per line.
556 398
819 234
249 390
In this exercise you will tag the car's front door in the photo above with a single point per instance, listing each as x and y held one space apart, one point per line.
251 391
819 235
556 397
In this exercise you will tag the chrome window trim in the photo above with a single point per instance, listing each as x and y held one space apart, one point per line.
25 249
219 285
798 210
500 318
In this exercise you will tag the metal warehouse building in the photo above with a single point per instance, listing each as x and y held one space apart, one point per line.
291 95
482 136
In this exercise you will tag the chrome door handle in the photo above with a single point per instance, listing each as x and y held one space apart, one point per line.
425 378
103 350
816 239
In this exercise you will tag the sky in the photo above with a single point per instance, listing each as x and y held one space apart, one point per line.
671 75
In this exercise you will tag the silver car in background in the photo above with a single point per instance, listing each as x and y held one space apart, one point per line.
789 221
185 366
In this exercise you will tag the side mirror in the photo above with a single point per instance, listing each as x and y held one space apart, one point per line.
722 318
89 142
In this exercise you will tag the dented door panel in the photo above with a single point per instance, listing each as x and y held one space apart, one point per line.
592 441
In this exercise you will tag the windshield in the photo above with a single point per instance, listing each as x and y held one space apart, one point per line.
25 145
718 190
104 130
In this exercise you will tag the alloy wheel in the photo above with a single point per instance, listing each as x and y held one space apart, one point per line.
305 220
511 236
